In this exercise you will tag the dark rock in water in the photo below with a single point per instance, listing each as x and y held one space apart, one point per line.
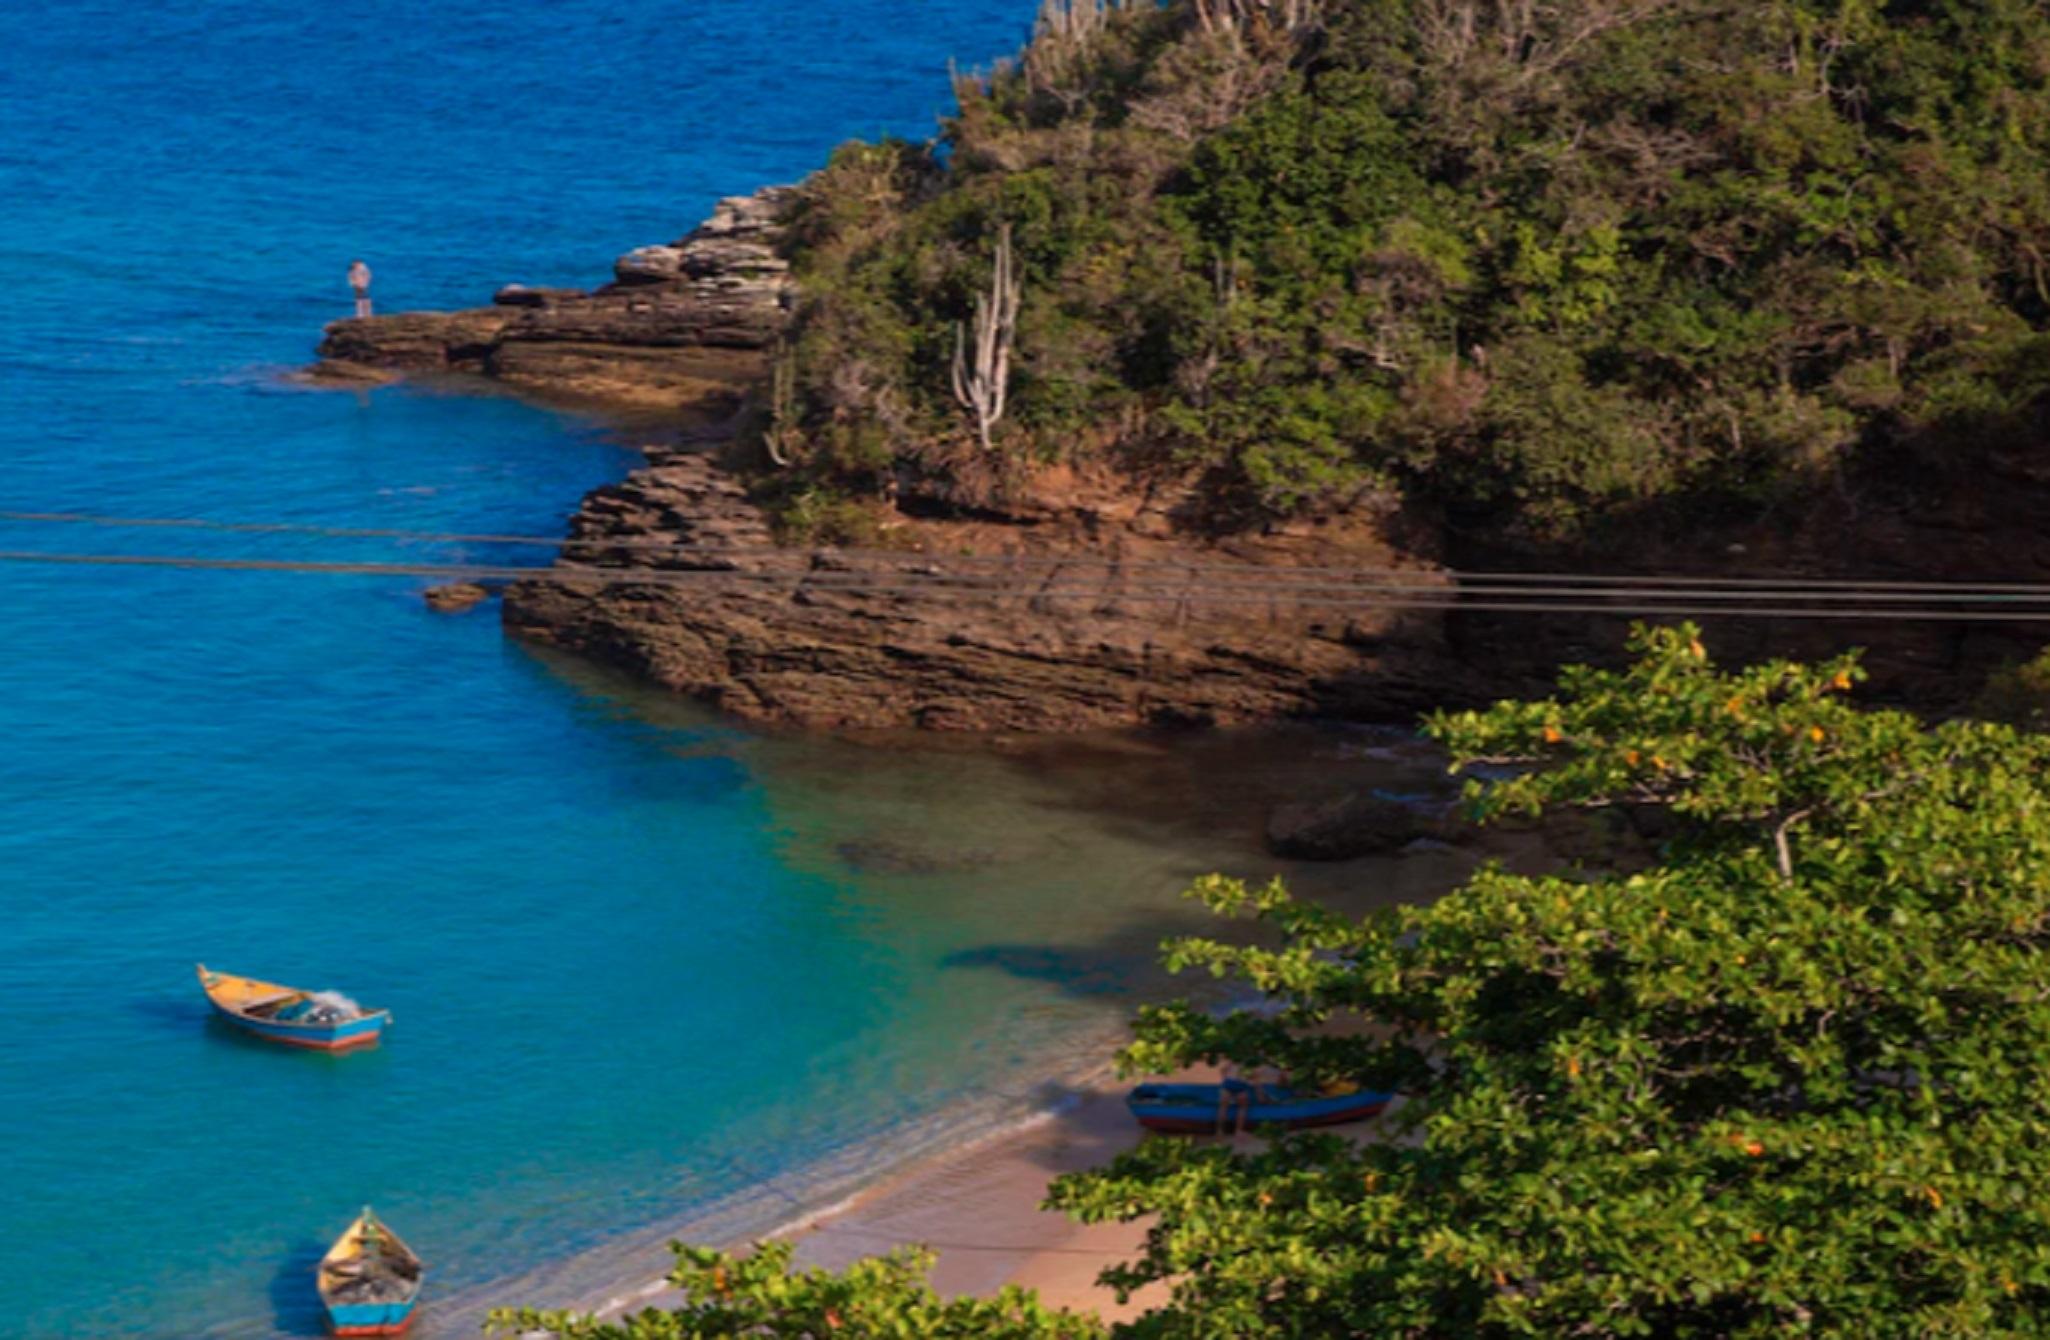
1348 826
1076 972
455 597
881 856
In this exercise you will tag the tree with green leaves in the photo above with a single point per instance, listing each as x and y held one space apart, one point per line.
1541 264
760 1295
1788 1078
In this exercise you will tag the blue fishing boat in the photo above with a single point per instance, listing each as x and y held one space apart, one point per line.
369 1280
286 1014
1235 1105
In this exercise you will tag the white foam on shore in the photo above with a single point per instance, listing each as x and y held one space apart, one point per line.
630 1271
813 1218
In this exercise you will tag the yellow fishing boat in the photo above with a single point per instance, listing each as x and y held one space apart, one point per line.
317 1019
369 1280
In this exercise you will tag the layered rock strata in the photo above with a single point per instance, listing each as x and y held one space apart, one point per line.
1082 603
681 327
1088 606
1079 607
1078 615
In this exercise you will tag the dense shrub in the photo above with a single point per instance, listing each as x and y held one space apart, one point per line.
1538 261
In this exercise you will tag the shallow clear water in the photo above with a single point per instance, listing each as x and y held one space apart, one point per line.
639 960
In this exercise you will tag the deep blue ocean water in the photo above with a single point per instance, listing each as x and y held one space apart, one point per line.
641 962
612 979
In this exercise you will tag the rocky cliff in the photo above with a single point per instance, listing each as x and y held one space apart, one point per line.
1060 603
1078 608
1067 600
681 327
1083 605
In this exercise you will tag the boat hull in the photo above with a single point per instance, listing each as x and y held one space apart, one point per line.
282 1014
356 1276
340 1037
1196 1109
370 1318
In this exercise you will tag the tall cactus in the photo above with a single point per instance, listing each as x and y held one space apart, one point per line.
981 388
780 437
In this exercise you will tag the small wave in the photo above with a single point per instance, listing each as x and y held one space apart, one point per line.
619 1275
261 378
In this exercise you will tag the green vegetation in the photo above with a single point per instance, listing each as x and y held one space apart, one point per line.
1788 1079
2018 695
1541 264
760 1295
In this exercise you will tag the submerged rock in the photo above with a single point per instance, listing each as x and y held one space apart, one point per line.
455 597
1347 826
884 856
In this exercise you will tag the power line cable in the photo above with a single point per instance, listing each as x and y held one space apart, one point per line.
809 582
1015 561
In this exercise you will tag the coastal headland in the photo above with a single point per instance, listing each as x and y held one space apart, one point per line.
1061 602
1073 596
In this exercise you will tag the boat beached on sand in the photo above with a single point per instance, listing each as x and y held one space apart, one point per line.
1235 1105
369 1280
289 1015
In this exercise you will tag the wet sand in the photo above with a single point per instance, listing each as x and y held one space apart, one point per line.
978 1209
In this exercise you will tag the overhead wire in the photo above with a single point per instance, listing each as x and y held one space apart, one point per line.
1449 597
1014 560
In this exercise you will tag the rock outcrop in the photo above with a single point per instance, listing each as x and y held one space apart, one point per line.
1063 604
682 327
455 597
1072 617
1348 826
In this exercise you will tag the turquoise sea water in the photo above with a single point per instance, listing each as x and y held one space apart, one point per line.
640 961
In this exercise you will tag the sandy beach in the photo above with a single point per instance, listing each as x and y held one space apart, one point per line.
978 1208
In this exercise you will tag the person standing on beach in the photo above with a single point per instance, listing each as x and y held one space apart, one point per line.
359 280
